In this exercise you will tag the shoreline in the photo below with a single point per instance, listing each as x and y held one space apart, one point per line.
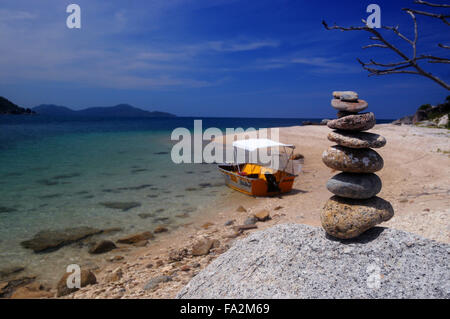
415 182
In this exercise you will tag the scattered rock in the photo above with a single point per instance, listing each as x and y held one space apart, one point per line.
300 262
87 278
278 208
348 218
244 227
241 209
115 275
133 239
357 139
357 122
185 268
116 258
155 281
31 291
102 247
178 255
262 215
160 229
354 185
356 106
124 206
229 222
48 240
250 221
7 288
406 120
350 160
207 225
202 247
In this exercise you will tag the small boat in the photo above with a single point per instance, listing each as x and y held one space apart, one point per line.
255 179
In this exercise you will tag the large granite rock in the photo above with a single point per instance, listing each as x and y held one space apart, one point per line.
355 185
50 240
357 139
357 122
300 261
348 218
363 160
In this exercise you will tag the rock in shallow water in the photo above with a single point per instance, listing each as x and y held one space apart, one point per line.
49 240
357 122
348 218
102 247
363 160
356 106
136 238
124 206
299 261
357 139
354 185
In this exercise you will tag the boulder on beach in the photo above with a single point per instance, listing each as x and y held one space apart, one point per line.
50 240
86 278
300 261
348 218
363 160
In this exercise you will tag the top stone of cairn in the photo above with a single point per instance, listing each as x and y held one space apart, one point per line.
348 96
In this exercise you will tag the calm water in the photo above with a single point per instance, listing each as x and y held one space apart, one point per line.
55 174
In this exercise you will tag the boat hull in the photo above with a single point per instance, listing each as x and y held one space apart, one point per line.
255 186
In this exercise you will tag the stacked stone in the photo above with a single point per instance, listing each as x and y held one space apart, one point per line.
355 207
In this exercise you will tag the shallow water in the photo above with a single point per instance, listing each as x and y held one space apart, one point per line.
56 175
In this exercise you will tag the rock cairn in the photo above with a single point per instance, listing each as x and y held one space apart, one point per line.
355 207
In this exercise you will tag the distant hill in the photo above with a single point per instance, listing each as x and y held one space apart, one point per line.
121 110
8 107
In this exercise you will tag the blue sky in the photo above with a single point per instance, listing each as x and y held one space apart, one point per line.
208 57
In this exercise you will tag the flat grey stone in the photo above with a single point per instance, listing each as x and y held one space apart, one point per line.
300 261
354 185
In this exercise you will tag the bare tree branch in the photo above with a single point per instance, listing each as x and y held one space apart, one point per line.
407 65
432 4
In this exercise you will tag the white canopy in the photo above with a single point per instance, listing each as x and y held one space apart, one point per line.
256 143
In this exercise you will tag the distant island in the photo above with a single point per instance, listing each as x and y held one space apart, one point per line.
8 107
120 110
117 111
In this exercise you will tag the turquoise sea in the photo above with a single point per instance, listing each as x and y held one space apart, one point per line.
56 173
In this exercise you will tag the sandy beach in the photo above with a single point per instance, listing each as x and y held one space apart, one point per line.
415 181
